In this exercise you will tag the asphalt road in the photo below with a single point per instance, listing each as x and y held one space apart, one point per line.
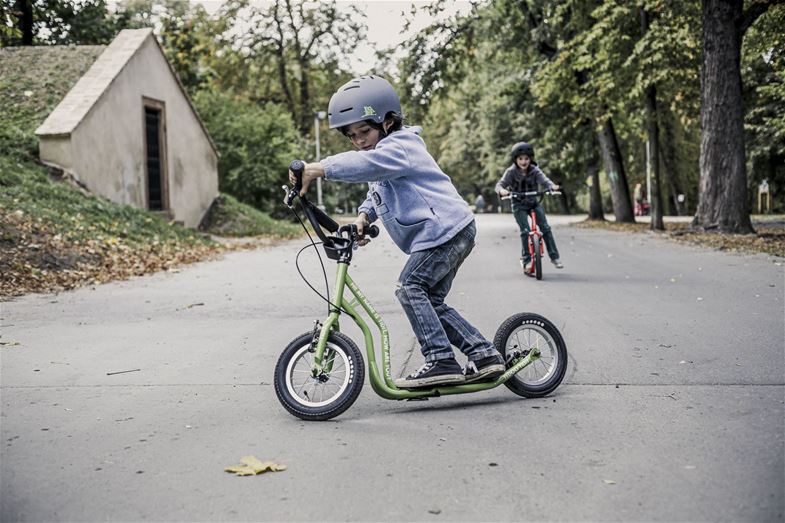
126 401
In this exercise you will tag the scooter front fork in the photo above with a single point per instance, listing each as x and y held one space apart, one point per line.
323 360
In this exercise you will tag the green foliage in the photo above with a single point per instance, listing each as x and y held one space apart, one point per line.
763 74
59 22
256 143
186 32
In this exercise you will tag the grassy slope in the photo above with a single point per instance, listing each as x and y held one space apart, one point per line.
54 235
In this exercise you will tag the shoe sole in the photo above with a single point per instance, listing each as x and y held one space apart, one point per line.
494 371
448 379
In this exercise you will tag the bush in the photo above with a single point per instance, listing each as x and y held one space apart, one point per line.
256 144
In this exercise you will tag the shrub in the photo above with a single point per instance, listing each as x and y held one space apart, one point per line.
256 144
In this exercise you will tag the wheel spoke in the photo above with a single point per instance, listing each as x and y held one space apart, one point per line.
321 390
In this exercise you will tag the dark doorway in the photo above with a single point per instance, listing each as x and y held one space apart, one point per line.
155 156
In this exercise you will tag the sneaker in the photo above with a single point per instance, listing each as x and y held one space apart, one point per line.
527 266
440 372
557 263
484 368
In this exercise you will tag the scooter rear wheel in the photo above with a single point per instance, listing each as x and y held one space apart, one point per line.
319 398
520 334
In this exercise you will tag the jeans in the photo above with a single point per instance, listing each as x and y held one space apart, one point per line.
423 285
521 214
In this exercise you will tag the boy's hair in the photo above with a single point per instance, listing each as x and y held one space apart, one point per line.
397 119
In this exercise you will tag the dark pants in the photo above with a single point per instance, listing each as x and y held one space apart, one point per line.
521 214
423 285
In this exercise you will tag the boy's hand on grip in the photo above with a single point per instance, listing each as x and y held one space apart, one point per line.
362 223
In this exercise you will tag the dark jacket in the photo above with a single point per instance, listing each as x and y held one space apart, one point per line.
516 180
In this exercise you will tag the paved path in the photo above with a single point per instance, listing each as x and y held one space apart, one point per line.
124 402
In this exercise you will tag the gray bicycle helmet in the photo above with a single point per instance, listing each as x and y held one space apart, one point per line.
363 98
521 148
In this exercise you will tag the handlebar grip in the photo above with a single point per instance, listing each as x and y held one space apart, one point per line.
297 167
372 231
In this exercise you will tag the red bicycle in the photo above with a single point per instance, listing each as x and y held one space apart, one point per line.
535 243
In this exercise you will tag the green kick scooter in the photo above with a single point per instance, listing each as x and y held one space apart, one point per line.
320 373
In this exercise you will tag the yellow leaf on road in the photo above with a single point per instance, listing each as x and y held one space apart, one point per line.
251 465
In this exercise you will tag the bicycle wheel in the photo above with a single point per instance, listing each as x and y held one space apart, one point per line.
537 257
523 332
327 395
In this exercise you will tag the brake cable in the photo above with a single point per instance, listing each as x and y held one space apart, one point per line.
321 262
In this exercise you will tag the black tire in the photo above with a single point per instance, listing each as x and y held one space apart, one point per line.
537 258
522 332
348 375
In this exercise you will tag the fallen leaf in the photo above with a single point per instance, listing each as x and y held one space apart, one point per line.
192 305
251 465
609 482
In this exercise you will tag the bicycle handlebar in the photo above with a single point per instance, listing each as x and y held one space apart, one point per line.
513 194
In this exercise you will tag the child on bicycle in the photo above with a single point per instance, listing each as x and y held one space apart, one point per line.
423 214
525 176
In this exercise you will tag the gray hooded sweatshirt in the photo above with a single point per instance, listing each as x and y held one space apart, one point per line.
417 203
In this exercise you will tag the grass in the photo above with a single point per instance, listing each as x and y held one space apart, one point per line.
232 218
769 237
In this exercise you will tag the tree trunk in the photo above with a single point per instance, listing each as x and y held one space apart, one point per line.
652 129
24 9
668 158
595 196
306 120
280 53
722 199
614 167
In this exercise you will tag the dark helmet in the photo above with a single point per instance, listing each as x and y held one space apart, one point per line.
522 148
363 98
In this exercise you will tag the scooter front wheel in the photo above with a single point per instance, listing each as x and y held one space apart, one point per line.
328 393
537 257
517 337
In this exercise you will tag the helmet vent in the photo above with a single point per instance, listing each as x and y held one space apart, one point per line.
346 110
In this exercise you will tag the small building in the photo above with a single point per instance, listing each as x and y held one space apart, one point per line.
128 131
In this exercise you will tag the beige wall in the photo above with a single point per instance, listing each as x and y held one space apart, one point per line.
107 148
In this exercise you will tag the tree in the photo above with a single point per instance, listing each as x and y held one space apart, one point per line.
288 39
723 203
187 34
256 143
581 74
56 22
763 75
653 137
